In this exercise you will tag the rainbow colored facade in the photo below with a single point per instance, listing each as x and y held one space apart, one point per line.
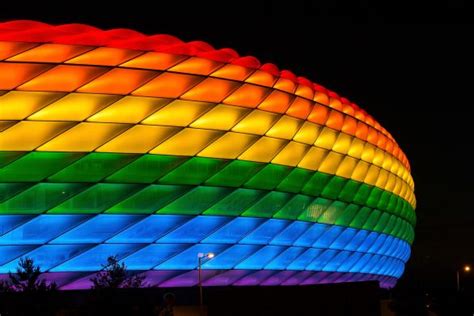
155 150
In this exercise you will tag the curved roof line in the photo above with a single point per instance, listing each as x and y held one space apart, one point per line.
82 34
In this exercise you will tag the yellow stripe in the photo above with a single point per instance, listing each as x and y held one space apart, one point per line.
156 111
126 138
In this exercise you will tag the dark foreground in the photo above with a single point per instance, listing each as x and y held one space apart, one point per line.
334 299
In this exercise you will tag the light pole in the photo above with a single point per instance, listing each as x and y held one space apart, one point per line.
201 258
466 269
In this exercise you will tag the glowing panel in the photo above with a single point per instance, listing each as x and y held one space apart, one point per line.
150 137
14 74
313 158
84 137
16 105
326 139
308 133
73 107
36 166
261 77
286 127
8 49
20 137
104 56
118 81
285 84
52 53
247 95
33 232
291 154
97 229
346 167
257 122
154 60
277 101
211 90
63 78
129 110
231 71
195 65
222 117
229 146
149 229
39 198
330 163
263 150
168 85
188 142
92 260
335 120
178 113
92 167
300 108
319 114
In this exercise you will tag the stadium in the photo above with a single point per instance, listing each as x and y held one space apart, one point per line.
155 150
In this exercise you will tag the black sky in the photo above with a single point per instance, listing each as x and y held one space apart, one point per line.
415 79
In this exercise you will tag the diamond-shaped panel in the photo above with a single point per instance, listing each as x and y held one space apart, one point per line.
157 150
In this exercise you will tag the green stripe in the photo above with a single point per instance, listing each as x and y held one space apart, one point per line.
81 198
129 168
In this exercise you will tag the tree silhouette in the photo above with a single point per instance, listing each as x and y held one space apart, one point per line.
4 286
24 293
26 278
114 276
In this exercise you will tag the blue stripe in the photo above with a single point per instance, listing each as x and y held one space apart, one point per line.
61 243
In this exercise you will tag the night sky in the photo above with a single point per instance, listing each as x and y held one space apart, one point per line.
416 80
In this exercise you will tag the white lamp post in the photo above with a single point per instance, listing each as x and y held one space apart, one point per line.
202 257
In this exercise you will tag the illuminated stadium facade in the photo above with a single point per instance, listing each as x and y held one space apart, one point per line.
156 150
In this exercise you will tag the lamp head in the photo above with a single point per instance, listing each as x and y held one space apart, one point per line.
467 268
208 255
